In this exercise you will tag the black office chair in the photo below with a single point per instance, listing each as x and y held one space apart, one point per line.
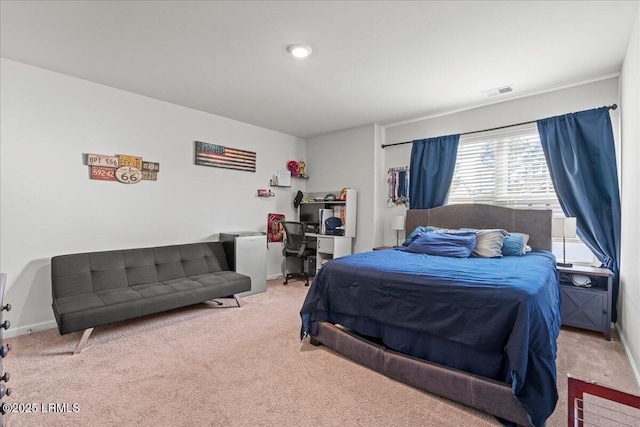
296 245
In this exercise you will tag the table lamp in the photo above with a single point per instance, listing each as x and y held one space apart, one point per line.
565 228
397 223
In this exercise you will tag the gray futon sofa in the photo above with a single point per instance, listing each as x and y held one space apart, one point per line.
99 288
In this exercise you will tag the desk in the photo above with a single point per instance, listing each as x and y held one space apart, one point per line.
329 247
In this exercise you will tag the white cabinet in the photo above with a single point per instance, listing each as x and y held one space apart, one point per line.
325 245
247 254
329 247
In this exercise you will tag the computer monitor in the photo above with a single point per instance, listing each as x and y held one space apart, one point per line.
310 213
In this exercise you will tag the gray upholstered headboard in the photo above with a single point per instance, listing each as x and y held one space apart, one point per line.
534 222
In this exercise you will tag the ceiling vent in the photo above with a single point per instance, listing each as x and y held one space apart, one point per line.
498 91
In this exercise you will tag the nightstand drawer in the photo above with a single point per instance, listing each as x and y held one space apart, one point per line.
584 308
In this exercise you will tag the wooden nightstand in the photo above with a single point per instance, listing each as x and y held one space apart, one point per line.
587 308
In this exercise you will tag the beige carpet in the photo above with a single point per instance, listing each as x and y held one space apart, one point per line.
201 366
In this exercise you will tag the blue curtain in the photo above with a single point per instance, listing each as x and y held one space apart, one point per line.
580 153
432 163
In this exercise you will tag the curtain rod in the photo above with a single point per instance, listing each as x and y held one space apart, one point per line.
612 107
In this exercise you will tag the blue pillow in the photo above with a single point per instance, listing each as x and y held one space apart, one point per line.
458 245
514 244
416 232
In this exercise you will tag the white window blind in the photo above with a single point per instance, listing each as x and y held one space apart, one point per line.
504 167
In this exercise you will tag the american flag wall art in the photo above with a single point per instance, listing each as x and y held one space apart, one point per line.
224 157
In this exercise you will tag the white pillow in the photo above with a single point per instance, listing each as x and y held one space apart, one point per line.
489 243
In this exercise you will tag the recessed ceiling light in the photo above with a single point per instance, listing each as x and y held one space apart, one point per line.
299 50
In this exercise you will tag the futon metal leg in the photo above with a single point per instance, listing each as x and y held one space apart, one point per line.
83 340
221 305
235 296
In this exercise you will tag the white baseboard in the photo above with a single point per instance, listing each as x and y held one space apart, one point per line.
634 367
26 330
274 276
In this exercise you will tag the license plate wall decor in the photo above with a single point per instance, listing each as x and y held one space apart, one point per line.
100 160
134 161
102 173
224 157
151 166
149 176
122 168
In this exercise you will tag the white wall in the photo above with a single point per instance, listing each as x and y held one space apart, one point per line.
629 305
51 207
347 158
577 98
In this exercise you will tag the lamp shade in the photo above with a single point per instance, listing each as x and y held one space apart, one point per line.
397 223
564 227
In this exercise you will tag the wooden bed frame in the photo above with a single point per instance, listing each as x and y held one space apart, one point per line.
482 393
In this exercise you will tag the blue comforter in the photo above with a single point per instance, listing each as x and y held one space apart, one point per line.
502 309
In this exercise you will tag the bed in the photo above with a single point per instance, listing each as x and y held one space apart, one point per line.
480 331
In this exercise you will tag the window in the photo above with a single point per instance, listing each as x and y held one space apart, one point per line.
507 167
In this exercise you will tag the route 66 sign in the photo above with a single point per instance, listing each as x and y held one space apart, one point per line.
128 175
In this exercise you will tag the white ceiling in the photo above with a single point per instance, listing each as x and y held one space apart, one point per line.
372 62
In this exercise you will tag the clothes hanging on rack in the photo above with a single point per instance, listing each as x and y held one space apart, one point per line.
398 187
